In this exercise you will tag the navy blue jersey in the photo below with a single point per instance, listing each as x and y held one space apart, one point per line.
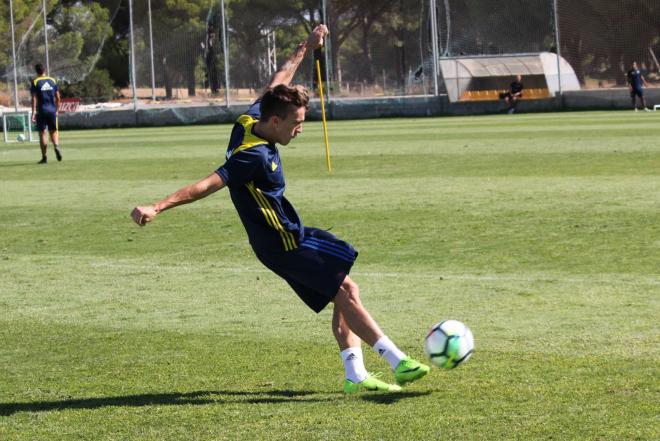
253 173
45 89
516 87
635 78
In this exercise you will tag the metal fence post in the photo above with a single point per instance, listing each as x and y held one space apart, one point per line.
271 51
151 55
558 44
326 52
448 24
46 37
132 60
224 50
434 43
13 53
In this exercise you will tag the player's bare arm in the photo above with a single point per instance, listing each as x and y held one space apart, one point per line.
58 99
34 108
190 193
285 73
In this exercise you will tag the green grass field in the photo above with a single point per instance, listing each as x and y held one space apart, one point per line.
541 232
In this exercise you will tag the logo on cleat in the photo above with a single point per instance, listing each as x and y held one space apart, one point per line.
410 370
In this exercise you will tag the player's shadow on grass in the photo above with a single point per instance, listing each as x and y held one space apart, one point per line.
391 397
172 399
16 164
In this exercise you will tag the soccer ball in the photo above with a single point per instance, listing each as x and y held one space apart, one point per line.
20 137
449 343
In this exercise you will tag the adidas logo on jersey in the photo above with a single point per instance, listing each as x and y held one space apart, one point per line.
46 87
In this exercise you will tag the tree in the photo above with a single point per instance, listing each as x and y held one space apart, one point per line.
76 33
178 28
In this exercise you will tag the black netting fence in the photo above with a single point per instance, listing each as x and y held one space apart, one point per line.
220 51
601 39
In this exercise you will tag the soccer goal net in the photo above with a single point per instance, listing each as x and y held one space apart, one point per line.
17 127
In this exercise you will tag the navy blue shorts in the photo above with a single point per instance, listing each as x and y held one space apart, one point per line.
636 92
46 120
316 269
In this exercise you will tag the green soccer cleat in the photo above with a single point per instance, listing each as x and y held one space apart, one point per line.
370 383
410 370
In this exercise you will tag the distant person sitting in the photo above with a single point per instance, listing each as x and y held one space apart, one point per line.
636 84
514 94
419 73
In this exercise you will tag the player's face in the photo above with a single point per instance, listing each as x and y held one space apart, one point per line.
291 126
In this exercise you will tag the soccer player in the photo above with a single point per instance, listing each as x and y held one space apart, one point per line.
514 94
636 84
313 262
45 105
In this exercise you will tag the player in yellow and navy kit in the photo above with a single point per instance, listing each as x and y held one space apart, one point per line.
313 262
45 102
253 173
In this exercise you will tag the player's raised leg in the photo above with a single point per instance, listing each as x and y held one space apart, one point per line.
349 305
357 377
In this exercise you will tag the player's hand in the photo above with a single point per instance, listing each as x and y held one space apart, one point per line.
315 39
34 116
143 215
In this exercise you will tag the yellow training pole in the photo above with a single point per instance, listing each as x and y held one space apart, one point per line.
325 124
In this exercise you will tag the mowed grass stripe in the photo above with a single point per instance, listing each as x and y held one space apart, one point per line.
375 165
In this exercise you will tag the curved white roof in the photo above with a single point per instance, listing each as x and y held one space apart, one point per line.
459 71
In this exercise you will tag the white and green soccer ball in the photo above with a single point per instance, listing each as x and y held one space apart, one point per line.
448 344
20 137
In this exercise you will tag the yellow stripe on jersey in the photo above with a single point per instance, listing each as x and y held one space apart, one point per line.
43 78
272 220
249 140
271 217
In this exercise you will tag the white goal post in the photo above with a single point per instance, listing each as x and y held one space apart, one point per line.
17 125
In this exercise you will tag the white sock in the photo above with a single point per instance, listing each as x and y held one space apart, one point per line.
388 350
354 364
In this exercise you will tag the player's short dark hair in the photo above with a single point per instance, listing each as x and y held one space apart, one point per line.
39 68
281 100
